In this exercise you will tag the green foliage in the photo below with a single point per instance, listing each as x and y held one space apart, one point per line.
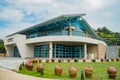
119 51
107 34
42 71
2 48
82 75
99 72
20 67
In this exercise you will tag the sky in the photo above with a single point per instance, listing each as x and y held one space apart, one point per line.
17 15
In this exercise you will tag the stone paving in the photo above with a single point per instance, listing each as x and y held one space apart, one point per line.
10 62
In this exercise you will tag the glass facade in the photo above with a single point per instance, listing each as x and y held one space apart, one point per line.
59 51
41 51
16 52
66 51
58 28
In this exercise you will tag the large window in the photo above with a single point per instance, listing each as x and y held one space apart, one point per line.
16 52
58 28
41 51
66 51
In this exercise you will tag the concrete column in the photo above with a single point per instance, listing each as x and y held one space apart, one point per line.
50 50
85 51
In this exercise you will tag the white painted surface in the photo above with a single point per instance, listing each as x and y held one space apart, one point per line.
20 42
26 46
62 39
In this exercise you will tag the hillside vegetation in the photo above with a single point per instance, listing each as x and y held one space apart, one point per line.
107 34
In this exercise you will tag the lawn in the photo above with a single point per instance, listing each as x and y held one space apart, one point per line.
99 72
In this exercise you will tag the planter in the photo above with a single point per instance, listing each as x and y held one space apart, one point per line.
28 62
30 66
84 60
112 59
40 69
72 72
117 59
47 60
40 60
59 60
68 59
112 72
107 60
93 60
75 60
88 72
52 60
58 70
35 60
102 60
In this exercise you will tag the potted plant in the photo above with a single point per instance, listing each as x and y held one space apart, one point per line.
40 68
30 66
72 72
35 60
28 62
112 59
47 60
52 60
88 71
59 60
58 70
84 60
75 59
117 59
68 59
40 60
112 72
102 59
107 60
93 60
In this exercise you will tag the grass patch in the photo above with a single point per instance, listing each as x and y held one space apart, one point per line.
99 72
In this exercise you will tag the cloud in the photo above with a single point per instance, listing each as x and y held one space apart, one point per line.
19 14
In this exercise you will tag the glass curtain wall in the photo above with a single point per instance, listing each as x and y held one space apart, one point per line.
41 51
66 51
58 28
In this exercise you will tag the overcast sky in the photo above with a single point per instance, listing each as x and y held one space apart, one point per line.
16 15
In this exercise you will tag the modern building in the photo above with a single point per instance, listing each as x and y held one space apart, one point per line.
66 36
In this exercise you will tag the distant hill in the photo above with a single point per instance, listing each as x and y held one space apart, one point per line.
109 36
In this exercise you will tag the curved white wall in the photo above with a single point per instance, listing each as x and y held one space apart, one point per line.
62 39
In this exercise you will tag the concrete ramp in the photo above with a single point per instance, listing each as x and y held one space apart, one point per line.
112 52
10 62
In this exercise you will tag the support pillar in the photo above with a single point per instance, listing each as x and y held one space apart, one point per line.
85 51
50 50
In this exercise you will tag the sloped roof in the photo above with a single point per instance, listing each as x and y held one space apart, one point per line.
61 18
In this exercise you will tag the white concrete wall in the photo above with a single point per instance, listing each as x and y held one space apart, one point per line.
20 42
9 49
62 39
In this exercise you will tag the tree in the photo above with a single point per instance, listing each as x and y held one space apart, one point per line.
119 51
105 30
2 47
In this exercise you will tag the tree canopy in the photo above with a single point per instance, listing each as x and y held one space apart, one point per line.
108 35
2 48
